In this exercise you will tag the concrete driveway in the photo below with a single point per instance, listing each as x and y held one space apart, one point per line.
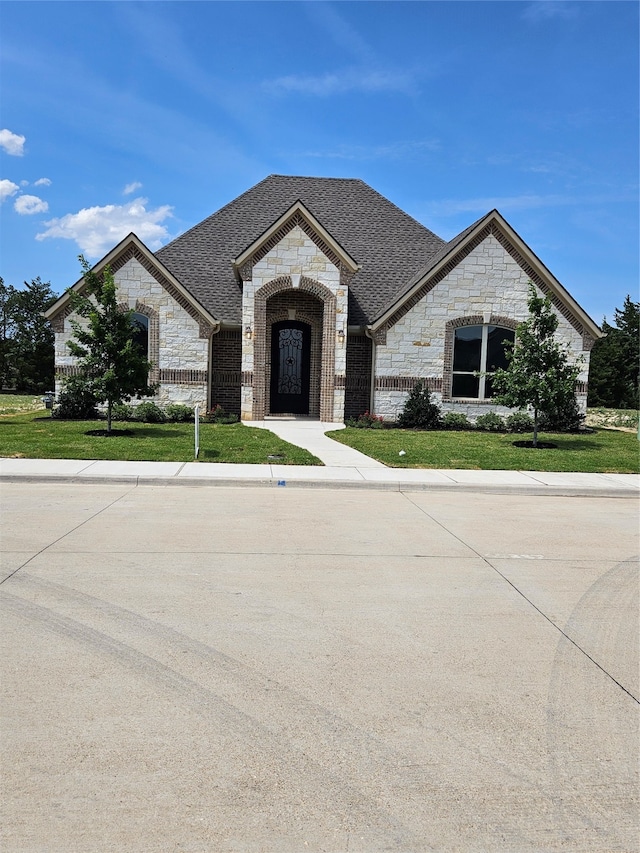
246 669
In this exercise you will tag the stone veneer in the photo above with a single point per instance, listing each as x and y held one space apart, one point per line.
294 279
487 286
180 356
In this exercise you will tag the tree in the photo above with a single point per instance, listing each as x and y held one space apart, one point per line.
538 374
420 412
110 362
26 338
615 361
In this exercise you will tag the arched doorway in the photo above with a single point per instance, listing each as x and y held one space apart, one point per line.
290 367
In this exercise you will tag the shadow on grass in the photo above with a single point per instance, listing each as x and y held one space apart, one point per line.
568 442
209 454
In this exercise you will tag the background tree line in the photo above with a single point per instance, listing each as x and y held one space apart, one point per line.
614 366
26 338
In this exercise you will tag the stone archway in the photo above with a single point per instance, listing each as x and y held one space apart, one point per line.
308 302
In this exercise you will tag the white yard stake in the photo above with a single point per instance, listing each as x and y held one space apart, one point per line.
196 430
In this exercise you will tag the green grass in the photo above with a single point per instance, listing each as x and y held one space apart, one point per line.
603 451
39 437
11 404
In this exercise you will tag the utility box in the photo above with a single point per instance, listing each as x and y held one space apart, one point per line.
48 398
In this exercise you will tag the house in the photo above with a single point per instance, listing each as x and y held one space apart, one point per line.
319 297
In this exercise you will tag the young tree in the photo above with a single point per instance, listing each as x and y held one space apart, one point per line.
26 338
615 361
110 362
538 374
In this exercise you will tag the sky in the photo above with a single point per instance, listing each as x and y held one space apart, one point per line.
150 116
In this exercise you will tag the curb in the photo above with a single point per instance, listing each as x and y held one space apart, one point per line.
271 482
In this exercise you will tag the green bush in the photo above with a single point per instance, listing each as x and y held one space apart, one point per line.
122 412
419 411
366 421
149 413
565 418
519 422
456 420
491 422
178 413
76 402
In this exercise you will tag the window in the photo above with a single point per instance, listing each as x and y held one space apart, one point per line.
141 332
478 350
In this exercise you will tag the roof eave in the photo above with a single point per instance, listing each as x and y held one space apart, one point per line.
109 258
526 252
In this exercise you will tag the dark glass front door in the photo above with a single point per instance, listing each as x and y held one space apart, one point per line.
290 367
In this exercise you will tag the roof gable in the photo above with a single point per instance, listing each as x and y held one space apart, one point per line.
129 248
453 252
298 215
387 244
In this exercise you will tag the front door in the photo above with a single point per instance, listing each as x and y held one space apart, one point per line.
290 367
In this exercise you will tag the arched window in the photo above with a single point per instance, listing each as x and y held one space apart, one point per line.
141 332
477 352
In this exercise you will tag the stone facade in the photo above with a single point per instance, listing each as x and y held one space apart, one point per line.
294 279
179 355
488 286
214 349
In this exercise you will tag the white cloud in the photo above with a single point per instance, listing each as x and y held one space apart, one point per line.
12 143
98 229
43 182
544 10
26 205
393 151
350 80
131 188
7 189
526 201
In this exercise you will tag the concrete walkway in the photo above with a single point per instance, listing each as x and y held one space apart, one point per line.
330 476
310 435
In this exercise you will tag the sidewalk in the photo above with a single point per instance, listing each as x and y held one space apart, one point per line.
330 476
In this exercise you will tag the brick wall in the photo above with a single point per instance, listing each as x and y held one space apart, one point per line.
358 379
226 369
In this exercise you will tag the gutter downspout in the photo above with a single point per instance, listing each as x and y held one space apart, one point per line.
372 387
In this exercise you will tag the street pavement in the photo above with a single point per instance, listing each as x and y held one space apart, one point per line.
432 667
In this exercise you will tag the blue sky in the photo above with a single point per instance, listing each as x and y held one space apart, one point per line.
148 117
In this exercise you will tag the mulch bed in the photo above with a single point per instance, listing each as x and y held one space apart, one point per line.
541 445
115 433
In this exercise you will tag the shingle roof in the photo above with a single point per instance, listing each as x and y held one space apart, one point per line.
444 250
390 245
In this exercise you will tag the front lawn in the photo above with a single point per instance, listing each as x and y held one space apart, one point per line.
603 451
37 437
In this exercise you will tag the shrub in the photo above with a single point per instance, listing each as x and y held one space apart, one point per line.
419 411
149 413
178 413
218 415
491 422
76 402
456 420
566 417
519 422
122 412
367 421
